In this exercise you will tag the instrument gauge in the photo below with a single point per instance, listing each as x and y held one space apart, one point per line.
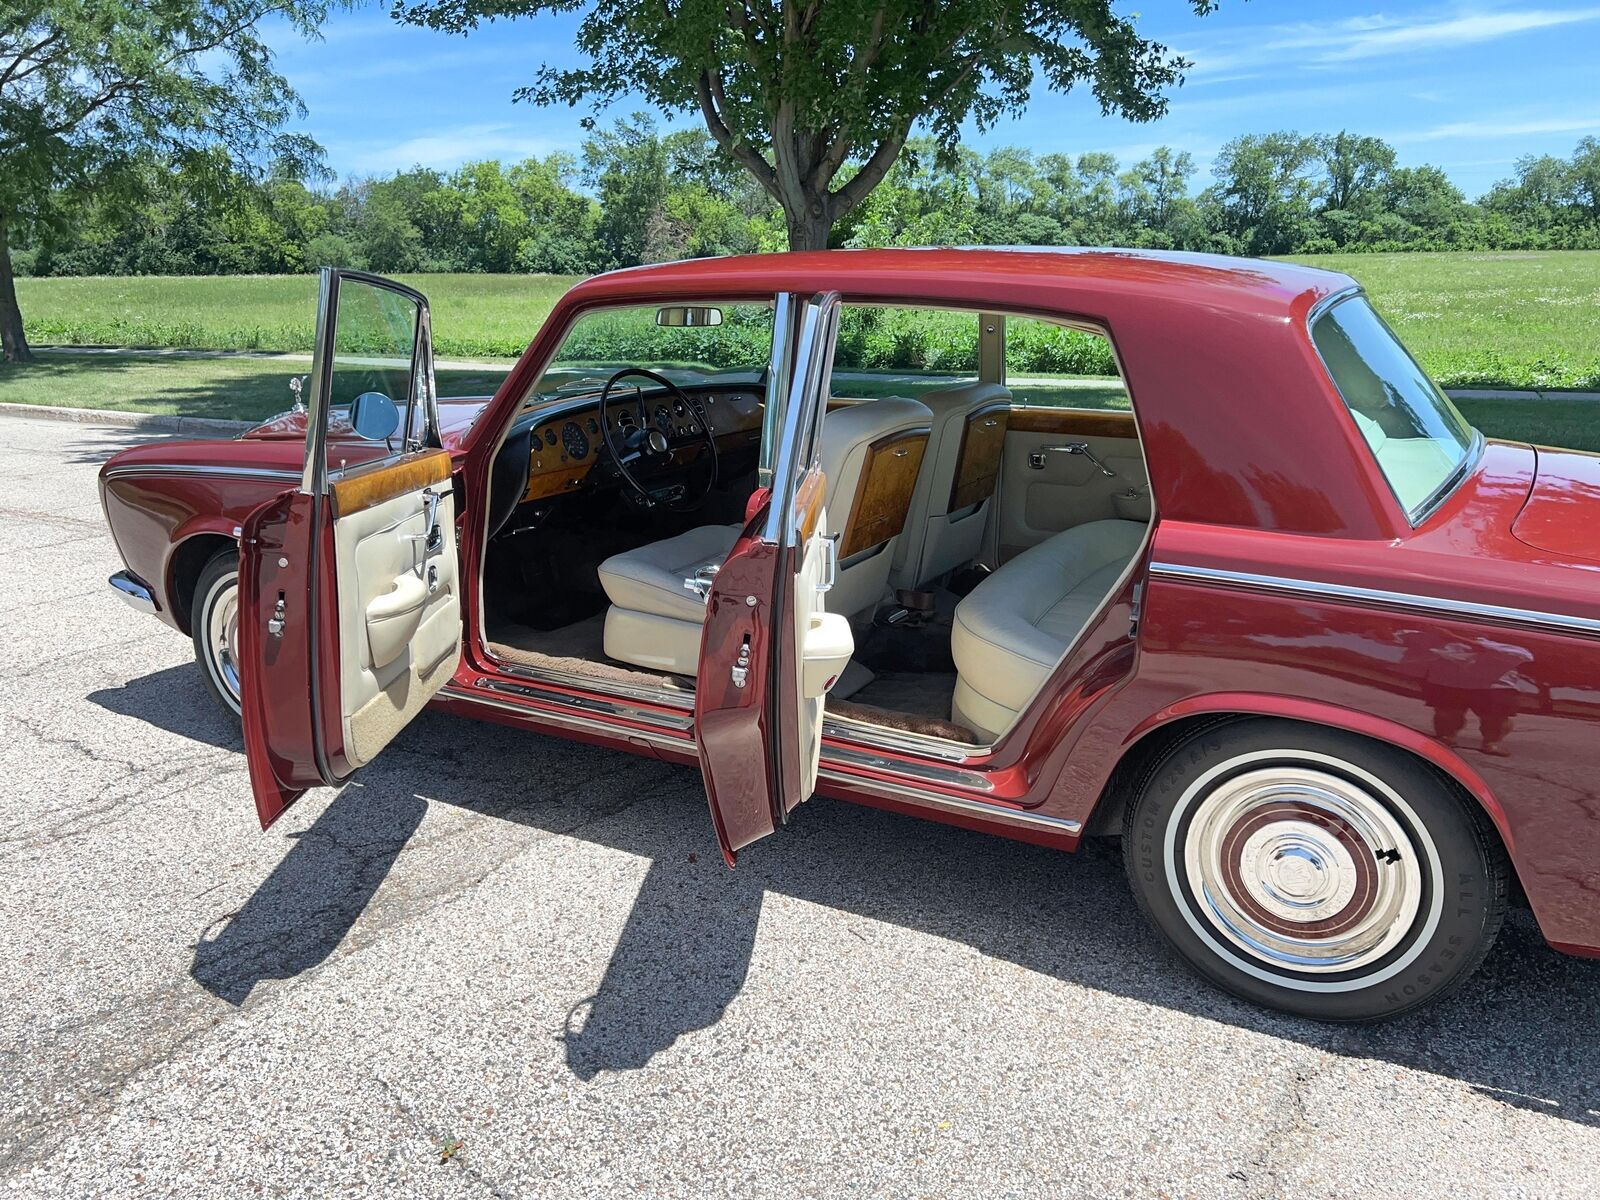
574 442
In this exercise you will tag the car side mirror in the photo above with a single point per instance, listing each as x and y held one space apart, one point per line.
374 416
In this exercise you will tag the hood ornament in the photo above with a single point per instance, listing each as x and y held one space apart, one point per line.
296 383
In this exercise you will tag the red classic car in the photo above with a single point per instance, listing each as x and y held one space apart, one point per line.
1047 544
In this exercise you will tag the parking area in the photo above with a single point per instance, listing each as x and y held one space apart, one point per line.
502 965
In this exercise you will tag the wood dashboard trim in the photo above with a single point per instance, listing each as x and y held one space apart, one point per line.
364 487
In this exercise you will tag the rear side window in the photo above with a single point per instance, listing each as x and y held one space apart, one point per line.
1416 434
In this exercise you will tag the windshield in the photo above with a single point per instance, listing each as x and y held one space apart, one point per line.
1415 433
733 349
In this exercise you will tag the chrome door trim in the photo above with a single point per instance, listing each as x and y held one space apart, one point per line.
594 706
1379 597
961 804
140 469
931 772
812 360
847 729
608 687
577 719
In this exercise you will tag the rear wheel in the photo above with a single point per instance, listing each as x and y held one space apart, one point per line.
214 623
1313 871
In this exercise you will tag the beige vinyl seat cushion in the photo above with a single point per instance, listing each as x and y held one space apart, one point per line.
936 540
1013 628
654 621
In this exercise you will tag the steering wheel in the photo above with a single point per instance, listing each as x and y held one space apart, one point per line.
647 450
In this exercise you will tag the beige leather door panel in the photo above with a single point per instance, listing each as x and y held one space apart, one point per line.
399 597
1045 490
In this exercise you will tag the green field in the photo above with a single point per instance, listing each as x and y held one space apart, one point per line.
474 316
1490 319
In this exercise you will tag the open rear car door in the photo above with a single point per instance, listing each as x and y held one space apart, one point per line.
350 609
770 650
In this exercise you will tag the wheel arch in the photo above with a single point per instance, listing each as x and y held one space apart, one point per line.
1149 741
184 564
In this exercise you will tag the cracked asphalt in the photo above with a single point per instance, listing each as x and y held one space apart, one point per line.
530 949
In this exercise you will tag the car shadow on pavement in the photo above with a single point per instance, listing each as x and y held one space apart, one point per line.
177 701
1522 1030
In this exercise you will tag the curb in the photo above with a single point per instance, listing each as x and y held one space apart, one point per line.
195 427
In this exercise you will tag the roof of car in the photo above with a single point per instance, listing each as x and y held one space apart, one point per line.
952 274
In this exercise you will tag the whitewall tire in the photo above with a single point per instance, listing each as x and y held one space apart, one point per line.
214 622
1314 871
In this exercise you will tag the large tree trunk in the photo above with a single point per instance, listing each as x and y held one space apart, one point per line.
808 228
13 341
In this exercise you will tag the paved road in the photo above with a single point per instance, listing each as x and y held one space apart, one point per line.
533 946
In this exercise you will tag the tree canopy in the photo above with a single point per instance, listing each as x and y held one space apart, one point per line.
91 89
816 100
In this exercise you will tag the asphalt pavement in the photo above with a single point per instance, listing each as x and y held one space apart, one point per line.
497 964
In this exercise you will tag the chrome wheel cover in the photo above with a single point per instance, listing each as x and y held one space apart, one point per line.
222 636
1304 871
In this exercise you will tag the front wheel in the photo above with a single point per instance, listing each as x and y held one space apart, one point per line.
1313 871
214 622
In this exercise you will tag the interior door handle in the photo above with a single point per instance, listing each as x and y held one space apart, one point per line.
1036 459
431 537
830 563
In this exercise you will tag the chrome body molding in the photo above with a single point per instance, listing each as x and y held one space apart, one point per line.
1380 598
958 804
267 473
578 718
933 773
681 723
135 593
847 729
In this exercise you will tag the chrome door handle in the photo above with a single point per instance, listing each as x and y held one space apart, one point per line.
1036 458
431 537
830 563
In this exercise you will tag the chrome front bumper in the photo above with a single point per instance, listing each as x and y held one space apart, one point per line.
134 592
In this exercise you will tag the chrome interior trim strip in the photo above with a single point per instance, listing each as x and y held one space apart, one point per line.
573 720
848 729
135 593
960 804
1377 596
609 687
195 469
931 772
681 722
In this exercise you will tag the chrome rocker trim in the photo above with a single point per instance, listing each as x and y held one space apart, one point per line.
1378 597
135 593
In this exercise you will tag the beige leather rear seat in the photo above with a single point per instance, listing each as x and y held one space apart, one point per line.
1012 629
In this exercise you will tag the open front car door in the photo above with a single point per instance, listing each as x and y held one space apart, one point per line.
770 650
350 609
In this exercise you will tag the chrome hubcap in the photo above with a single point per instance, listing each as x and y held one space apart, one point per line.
1303 869
222 636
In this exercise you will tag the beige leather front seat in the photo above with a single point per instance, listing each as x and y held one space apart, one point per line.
951 504
871 453
1012 629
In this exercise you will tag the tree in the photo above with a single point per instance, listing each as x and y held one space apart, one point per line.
816 100
1356 166
86 86
1264 192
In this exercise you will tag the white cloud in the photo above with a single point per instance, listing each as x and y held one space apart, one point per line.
1506 128
1365 37
469 143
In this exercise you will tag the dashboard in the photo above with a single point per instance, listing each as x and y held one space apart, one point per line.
566 442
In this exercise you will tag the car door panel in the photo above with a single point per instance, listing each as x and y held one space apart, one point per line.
350 607
1044 490
399 607
770 649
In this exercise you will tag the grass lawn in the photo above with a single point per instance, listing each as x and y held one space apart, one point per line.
1503 318
1492 319
231 388
474 316
253 388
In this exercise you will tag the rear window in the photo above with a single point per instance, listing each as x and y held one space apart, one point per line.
1416 434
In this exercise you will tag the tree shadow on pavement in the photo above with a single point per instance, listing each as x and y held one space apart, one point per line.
1521 1030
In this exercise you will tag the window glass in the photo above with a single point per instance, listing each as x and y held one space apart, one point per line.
375 336
734 349
1415 433
1052 366
887 351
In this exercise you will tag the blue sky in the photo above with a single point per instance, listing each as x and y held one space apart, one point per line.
1469 87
